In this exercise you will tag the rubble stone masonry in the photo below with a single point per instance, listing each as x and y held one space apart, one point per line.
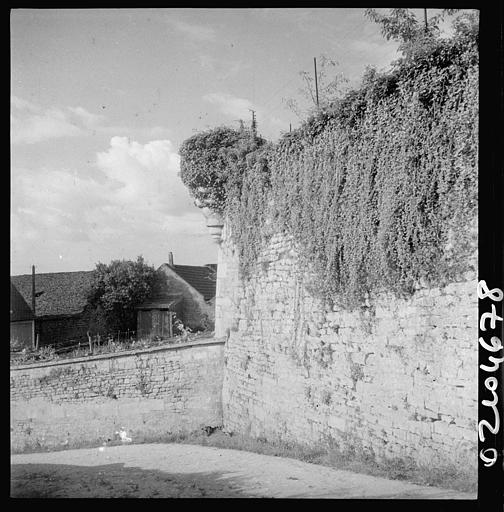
149 394
397 378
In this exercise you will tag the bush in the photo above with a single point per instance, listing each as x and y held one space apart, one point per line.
213 162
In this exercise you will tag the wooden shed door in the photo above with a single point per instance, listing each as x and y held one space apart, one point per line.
144 323
166 324
156 323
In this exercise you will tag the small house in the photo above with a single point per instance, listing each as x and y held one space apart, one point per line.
22 321
183 292
60 300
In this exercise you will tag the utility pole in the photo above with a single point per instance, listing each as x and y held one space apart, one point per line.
425 19
316 80
33 305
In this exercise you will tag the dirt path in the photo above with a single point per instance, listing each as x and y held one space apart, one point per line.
191 471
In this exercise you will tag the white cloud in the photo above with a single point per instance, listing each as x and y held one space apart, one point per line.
88 119
194 31
50 124
230 105
31 123
139 204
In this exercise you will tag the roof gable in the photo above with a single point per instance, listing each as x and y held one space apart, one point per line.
202 279
60 293
19 308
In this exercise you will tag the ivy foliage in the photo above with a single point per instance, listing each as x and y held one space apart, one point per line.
375 186
213 162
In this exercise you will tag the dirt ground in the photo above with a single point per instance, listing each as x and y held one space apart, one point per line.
191 471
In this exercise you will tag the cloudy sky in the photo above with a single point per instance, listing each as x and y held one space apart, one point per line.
101 100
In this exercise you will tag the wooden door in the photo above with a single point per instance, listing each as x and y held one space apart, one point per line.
144 323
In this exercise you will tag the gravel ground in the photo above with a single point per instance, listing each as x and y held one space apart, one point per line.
192 471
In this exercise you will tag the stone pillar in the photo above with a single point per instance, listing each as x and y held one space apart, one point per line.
228 286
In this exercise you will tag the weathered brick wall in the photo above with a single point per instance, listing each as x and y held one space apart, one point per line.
398 378
149 393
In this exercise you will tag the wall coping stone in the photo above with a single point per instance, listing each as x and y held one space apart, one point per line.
110 355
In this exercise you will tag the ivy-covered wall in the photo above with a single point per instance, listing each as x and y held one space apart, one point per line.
347 273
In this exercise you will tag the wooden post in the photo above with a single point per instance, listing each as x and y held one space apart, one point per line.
170 325
316 80
33 307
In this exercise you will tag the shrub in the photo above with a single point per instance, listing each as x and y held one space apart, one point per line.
213 161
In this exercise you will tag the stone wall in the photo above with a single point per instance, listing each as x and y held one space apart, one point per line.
149 393
397 378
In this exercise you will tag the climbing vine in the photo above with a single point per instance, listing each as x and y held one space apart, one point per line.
372 188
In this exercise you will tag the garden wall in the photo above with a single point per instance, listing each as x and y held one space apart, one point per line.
149 393
397 378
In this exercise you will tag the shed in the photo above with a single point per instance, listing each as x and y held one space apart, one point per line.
155 317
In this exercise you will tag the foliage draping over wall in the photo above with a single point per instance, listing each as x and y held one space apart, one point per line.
373 188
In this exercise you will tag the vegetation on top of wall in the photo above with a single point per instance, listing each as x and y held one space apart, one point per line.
213 162
376 186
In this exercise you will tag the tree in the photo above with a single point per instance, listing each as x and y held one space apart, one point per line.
329 88
419 39
117 288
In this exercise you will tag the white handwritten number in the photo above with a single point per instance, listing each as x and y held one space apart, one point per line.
493 316
496 294
496 344
491 384
496 362
484 458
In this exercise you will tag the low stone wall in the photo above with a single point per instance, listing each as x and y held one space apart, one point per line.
398 378
149 393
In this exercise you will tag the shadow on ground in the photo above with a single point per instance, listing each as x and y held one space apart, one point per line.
117 481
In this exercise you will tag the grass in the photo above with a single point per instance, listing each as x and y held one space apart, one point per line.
352 459
50 353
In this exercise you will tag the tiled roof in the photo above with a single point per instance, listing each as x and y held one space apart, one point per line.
200 278
19 308
161 302
61 293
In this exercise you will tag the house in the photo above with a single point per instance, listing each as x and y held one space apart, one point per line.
186 291
60 315
22 322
